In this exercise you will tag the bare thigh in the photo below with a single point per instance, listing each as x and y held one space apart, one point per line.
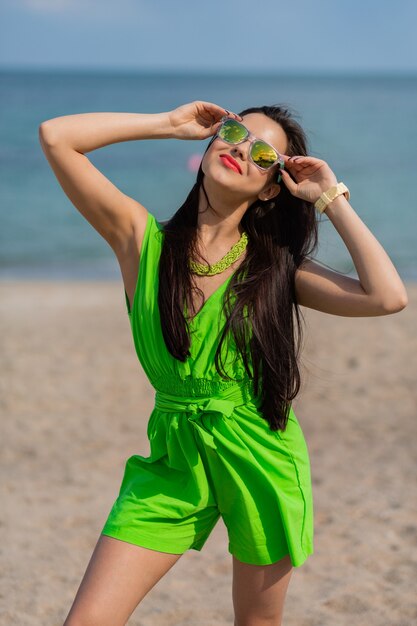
259 592
117 577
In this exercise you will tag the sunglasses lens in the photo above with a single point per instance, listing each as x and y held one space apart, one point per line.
232 132
263 155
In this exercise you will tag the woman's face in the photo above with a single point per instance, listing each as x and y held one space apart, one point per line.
250 182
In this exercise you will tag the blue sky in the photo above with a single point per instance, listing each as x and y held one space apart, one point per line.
220 35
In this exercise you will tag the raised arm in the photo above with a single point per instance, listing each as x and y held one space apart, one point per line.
379 290
121 220
66 140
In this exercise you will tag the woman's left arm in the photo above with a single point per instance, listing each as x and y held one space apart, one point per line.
379 290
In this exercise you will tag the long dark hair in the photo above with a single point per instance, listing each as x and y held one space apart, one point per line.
282 232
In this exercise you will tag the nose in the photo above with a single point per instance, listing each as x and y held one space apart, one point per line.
241 150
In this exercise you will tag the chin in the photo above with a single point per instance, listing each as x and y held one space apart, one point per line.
223 177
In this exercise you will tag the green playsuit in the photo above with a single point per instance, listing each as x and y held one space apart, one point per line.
212 454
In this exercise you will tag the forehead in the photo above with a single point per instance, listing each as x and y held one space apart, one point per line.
264 128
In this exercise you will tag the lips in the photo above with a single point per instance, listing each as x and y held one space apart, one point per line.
231 162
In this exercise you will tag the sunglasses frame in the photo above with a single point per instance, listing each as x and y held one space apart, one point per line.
252 140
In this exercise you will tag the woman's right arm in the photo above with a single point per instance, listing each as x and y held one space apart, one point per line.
65 140
121 220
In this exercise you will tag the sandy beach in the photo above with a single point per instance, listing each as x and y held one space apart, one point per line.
75 404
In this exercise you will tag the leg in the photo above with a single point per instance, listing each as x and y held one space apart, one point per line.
117 578
259 592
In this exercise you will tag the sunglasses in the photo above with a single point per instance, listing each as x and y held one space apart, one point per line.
262 154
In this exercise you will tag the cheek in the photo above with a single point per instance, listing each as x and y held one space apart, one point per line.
207 159
204 163
211 162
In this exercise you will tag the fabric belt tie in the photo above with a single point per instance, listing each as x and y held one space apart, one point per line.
219 406
223 403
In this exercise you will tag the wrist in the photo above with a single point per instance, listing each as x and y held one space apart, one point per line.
330 194
336 204
324 187
173 126
163 126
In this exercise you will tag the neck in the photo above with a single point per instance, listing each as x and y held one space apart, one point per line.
221 223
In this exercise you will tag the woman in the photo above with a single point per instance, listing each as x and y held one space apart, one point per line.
211 307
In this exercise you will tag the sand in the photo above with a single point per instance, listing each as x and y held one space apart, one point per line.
74 406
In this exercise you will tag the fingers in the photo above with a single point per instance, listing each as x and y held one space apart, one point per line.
300 161
238 117
292 166
288 181
226 113
291 161
219 111
298 157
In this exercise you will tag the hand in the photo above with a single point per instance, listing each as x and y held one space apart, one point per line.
312 177
197 120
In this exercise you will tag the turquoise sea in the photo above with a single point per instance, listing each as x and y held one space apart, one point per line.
365 127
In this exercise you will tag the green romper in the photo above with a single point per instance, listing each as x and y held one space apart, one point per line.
212 454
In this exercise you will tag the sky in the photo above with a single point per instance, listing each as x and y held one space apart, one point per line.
214 35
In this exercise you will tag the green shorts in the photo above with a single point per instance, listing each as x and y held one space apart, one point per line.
216 457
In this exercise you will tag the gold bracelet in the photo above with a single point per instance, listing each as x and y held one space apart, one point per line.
330 195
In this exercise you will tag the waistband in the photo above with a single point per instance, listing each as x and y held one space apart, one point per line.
224 402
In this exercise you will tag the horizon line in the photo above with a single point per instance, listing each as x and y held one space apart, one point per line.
210 71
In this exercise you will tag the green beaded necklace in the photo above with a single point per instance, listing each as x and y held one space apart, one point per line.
229 258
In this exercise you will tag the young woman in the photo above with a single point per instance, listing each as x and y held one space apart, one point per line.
212 305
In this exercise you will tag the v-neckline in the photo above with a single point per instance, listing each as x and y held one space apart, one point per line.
211 297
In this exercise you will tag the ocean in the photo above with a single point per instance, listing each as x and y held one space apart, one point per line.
364 126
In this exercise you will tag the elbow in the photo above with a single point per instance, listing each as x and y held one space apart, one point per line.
42 131
395 304
45 134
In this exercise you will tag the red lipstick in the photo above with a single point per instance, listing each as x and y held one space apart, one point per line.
230 162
